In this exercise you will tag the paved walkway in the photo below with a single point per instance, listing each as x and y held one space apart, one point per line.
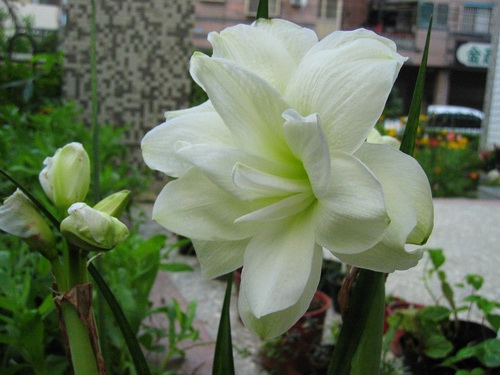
468 231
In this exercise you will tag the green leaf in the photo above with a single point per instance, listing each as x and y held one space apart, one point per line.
434 313
367 358
410 134
474 280
263 9
437 257
365 293
223 356
133 346
494 320
176 267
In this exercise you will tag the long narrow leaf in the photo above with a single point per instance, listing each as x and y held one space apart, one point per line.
410 134
35 201
223 356
135 350
363 297
368 354
263 9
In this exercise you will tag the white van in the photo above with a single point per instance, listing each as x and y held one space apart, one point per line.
454 118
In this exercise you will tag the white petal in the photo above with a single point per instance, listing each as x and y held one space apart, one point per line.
201 108
279 322
347 86
158 145
194 207
249 106
386 256
264 184
277 264
217 164
308 142
339 38
281 209
352 218
296 39
405 185
219 257
256 50
376 137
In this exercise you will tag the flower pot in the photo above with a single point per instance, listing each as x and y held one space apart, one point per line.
467 334
391 309
296 348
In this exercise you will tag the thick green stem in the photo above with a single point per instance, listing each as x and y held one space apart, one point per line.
82 354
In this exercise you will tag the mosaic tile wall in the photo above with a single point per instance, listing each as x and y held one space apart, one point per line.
143 51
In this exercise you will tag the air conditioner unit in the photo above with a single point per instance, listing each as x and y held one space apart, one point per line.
298 3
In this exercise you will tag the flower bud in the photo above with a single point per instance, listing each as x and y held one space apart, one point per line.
92 230
114 204
66 176
19 217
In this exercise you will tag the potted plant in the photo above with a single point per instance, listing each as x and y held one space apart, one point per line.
300 350
434 338
332 274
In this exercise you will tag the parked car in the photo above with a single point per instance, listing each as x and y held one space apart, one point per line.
452 118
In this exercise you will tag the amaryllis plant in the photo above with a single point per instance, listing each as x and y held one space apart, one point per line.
275 165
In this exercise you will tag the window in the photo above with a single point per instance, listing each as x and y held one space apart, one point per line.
327 9
251 7
439 11
477 18
441 16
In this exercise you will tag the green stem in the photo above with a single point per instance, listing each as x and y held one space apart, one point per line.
365 295
60 276
82 354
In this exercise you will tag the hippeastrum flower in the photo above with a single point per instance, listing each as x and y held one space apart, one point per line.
66 176
275 167
92 230
19 217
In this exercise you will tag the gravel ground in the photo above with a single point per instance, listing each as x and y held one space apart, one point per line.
467 230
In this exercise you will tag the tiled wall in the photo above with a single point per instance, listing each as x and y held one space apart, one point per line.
143 51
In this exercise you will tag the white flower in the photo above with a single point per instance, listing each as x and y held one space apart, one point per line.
275 165
66 176
19 217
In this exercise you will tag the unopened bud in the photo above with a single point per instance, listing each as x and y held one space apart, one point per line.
114 204
19 217
92 230
66 176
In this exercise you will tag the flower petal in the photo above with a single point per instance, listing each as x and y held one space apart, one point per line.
352 217
277 264
158 145
217 163
249 106
308 142
405 184
271 49
265 184
347 86
201 108
279 322
281 209
219 257
194 207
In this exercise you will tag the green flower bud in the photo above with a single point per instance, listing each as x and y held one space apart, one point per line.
19 217
92 230
66 176
114 204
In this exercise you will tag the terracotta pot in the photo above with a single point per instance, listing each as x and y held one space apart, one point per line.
391 310
298 344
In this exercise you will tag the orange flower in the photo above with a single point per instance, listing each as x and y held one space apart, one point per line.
474 175
438 170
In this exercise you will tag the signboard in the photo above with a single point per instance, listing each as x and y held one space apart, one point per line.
474 55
